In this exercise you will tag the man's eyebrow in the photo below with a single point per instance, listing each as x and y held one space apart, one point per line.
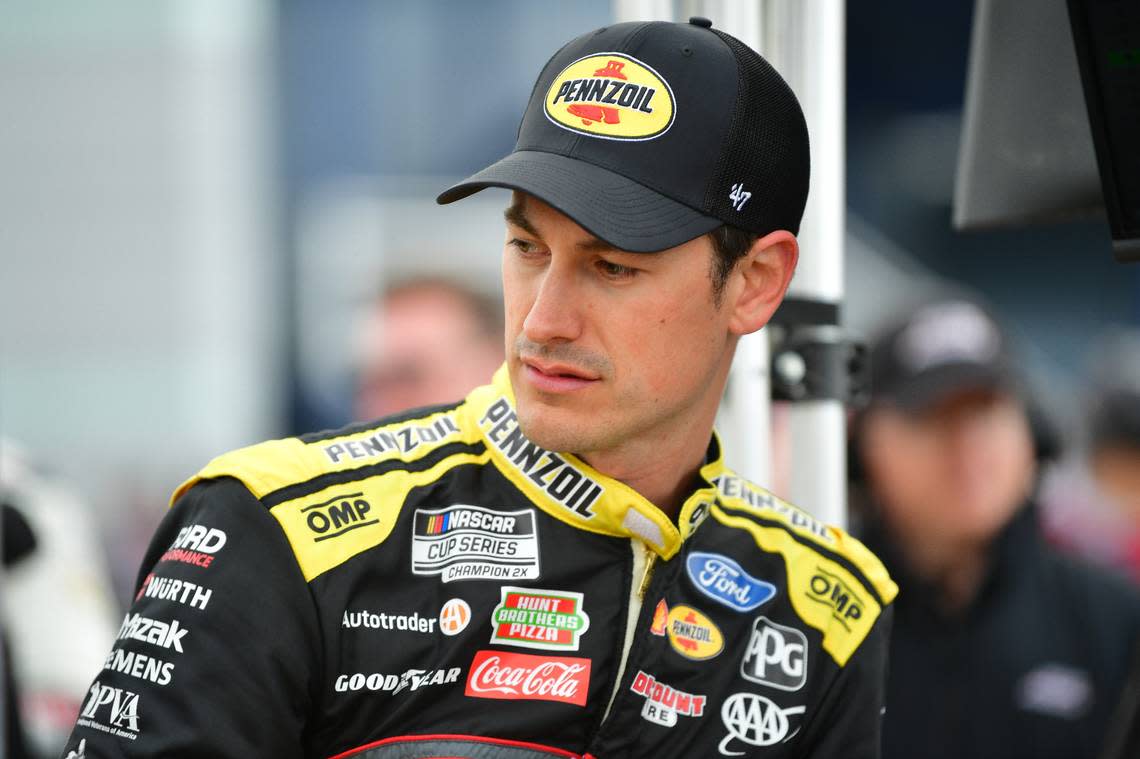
596 245
515 214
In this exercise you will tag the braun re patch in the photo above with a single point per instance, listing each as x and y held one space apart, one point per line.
473 543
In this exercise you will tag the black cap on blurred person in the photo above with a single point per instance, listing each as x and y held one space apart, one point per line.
951 347
651 134
938 350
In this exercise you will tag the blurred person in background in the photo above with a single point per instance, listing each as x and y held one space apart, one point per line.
1001 647
425 340
1091 502
18 542
59 610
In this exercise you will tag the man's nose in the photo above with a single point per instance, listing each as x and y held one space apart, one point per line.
555 314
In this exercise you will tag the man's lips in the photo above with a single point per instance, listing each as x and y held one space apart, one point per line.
556 378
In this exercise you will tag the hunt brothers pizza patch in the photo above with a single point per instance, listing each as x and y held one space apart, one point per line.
613 96
535 618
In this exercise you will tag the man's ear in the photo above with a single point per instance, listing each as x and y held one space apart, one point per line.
760 279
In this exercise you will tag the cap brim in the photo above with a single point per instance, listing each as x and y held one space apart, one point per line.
621 212
928 388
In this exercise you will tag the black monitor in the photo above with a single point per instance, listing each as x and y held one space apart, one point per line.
1106 35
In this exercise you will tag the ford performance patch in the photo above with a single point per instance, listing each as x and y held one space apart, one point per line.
722 579
472 543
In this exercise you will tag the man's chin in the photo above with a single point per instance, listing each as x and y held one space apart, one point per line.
551 431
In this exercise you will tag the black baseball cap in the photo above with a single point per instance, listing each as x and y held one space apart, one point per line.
649 134
941 349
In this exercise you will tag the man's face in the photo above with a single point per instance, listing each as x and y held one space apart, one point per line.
955 472
608 348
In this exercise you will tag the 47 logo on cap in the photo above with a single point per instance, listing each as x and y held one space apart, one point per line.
613 96
534 618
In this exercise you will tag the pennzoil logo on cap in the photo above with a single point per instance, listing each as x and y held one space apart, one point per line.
612 96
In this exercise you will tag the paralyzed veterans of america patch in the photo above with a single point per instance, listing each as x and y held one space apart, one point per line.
473 543
613 96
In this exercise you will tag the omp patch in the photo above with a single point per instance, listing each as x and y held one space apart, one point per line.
473 543
839 595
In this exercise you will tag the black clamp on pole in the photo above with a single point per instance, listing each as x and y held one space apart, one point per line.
813 358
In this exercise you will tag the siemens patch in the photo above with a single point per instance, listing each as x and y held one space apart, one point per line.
473 543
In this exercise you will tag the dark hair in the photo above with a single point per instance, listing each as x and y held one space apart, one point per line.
730 244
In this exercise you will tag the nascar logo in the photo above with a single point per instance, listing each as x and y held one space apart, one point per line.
613 96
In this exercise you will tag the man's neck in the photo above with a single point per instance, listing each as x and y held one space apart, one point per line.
662 469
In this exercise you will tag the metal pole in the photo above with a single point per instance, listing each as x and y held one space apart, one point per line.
804 40
746 424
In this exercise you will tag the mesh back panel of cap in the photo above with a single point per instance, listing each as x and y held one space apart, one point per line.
767 150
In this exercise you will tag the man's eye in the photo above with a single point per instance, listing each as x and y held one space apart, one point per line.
524 247
614 270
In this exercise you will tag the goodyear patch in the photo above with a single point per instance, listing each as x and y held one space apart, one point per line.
692 634
613 96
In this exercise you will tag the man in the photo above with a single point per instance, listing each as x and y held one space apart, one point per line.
1091 503
442 583
426 340
1001 647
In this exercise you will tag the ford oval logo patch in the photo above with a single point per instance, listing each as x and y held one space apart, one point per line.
722 579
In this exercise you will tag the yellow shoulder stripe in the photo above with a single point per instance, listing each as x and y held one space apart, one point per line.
822 591
329 527
276 464
737 492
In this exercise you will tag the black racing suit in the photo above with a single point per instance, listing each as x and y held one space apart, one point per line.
435 585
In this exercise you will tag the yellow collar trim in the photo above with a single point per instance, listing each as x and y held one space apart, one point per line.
571 490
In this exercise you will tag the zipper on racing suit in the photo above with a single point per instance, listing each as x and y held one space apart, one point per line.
642 580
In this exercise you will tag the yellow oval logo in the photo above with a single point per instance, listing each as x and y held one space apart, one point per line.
692 634
613 96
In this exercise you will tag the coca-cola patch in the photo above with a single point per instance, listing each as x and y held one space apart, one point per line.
498 674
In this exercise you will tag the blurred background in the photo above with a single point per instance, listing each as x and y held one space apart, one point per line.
200 199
